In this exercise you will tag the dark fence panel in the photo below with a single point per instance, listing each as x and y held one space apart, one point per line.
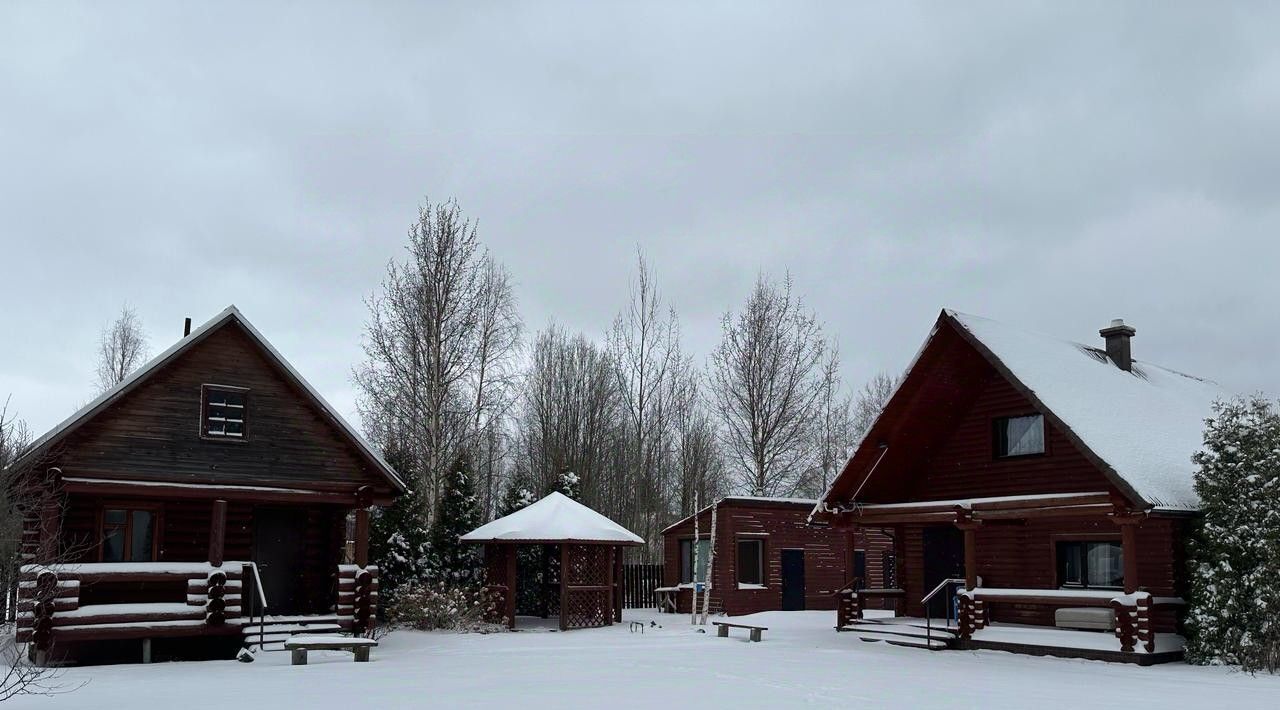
638 583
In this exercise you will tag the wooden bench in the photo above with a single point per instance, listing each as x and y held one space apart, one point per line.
299 645
722 629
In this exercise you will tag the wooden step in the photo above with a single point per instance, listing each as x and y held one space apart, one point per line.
905 630
897 640
255 629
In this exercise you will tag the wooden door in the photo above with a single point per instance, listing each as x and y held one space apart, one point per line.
279 548
943 559
793 580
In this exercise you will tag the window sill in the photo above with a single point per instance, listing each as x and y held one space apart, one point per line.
745 586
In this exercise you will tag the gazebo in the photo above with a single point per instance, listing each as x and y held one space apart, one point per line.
579 561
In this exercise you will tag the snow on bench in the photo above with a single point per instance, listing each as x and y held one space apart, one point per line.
722 629
299 645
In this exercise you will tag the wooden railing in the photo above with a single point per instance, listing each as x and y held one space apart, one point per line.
86 601
850 597
1133 612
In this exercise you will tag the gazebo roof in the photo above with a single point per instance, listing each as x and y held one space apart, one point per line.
555 518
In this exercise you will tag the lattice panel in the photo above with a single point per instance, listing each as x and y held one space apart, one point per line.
588 566
586 609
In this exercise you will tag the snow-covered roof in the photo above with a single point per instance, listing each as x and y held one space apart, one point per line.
138 376
802 502
1144 424
555 518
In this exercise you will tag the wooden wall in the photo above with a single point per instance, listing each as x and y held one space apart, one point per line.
964 465
828 555
153 433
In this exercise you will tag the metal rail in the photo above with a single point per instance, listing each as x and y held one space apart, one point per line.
928 618
262 594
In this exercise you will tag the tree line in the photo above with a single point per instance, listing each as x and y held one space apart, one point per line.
450 374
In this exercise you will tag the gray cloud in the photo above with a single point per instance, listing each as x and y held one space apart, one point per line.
1050 166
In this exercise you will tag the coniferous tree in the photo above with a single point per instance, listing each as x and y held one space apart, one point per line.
1235 568
457 513
398 536
569 484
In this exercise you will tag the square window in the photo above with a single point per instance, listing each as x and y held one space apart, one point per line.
1018 436
224 412
750 562
128 535
1091 564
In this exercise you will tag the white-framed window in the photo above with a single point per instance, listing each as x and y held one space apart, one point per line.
750 561
224 412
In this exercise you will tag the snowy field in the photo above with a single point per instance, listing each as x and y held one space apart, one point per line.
801 662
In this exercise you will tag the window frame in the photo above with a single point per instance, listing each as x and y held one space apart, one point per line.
759 540
1083 542
688 543
129 507
205 389
999 437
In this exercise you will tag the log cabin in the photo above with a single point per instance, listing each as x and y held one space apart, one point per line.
205 501
767 557
1039 490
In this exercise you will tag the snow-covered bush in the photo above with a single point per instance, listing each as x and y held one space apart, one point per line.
439 607
1235 553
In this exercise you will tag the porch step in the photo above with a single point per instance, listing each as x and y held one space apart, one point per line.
278 629
899 640
902 630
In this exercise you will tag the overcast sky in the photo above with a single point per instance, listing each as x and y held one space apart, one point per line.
1049 165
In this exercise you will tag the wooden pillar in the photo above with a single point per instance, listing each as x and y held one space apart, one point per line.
564 583
513 584
50 522
970 528
1129 547
362 537
217 532
618 595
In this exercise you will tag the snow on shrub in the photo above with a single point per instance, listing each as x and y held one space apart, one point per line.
439 607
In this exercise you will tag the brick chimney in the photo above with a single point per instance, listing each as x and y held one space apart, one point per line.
1117 336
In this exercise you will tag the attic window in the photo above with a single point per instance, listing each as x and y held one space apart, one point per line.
224 412
1018 436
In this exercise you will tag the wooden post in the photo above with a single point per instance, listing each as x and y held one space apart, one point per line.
50 517
513 584
1129 523
970 528
1129 548
564 584
217 532
618 599
362 537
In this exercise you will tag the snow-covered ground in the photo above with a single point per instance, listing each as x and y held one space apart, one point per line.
801 661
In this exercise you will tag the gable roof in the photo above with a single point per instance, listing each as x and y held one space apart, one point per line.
555 518
1139 427
229 315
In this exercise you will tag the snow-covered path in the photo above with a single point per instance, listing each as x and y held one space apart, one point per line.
802 661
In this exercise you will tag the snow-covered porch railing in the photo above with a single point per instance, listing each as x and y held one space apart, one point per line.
357 597
58 601
1132 612
851 598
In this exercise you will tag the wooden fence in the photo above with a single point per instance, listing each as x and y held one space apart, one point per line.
638 583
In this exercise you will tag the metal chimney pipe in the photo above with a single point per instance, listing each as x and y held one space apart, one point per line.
186 327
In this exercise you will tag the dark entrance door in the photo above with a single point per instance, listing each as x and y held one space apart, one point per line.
793 580
943 559
279 548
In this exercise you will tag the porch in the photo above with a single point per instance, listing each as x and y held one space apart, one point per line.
216 603
1009 573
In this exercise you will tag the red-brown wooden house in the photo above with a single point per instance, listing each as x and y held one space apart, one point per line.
1052 479
767 557
172 505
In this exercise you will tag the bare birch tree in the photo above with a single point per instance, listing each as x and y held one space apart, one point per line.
122 348
765 382
442 329
833 431
493 382
569 419
869 402
644 344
